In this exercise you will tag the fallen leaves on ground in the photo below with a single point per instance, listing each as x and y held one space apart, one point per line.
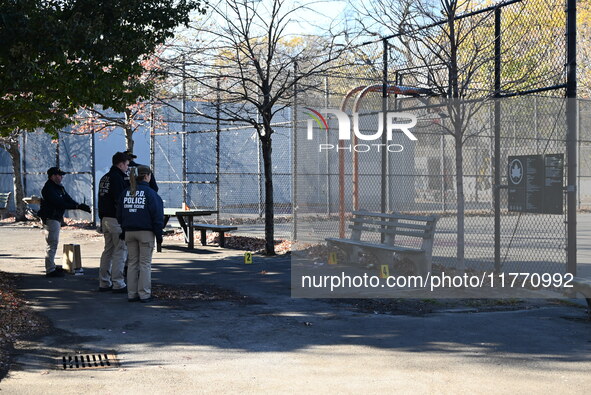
419 307
253 220
77 224
243 243
201 292
30 222
33 222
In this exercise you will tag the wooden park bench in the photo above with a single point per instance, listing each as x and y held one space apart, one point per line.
389 227
214 228
4 200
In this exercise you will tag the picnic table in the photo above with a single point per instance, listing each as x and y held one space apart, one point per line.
185 218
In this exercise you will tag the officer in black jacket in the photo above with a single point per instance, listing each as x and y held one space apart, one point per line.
114 254
134 164
55 202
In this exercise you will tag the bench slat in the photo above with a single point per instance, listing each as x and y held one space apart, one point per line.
390 231
396 216
392 224
377 246
220 228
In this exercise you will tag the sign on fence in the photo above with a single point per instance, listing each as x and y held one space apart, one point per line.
536 183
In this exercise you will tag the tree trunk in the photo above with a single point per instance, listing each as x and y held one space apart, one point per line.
128 131
457 122
129 139
460 202
18 193
269 212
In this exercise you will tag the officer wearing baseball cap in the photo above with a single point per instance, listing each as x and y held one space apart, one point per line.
111 185
133 164
53 206
55 171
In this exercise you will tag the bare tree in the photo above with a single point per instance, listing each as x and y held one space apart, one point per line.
248 61
135 115
454 56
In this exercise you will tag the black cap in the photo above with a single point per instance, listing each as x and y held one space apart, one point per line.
130 154
55 170
119 157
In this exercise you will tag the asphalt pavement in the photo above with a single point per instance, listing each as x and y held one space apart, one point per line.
251 336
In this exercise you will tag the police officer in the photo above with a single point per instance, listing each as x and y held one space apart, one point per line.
141 214
133 164
133 167
55 202
114 253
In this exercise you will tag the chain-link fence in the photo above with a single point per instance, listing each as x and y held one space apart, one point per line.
205 162
505 57
72 152
217 165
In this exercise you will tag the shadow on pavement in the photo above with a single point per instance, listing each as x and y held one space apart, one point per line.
85 319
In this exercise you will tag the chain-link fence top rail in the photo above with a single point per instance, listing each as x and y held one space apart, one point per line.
532 50
422 177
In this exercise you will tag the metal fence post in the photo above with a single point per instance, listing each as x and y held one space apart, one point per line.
24 162
93 205
571 121
326 104
384 176
497 133
536 128
442 170
579 120
217 152
491 156
184 134
294 152
152 138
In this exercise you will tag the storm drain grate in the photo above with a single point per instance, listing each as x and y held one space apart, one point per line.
87 361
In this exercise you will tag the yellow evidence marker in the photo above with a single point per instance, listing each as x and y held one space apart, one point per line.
384 271
248 258
332 258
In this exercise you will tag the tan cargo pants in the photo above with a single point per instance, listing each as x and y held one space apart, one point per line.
140 246
113 256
